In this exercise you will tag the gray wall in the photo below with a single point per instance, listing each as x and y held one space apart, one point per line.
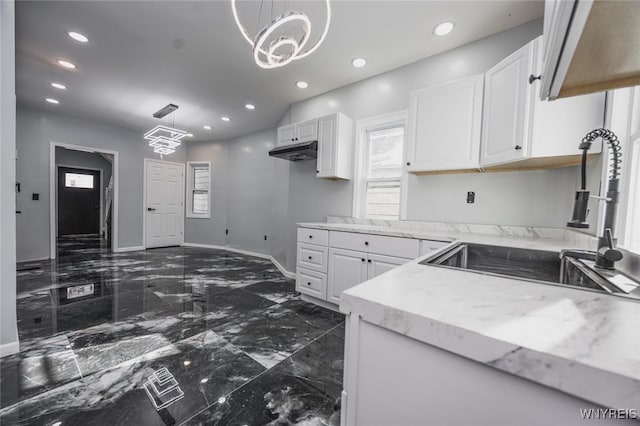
211 231
8 329
35 130
91 160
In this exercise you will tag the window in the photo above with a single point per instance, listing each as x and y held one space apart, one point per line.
631 238
199 189
379 171
77 180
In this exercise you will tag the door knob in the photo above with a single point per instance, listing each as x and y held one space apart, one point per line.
151 209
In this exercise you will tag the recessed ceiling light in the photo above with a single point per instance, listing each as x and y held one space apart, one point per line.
78 37
66 64
225 119
52 101
443 29
250 106
359 62
222 400
186 362
189 135
206 127
204 380
302 85
59 86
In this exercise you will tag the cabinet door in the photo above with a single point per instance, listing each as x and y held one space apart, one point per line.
508 108
327 138
286 134
307 131
444 126
346 269
378 264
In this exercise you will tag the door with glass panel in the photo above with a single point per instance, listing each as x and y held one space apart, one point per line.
164 206
78 201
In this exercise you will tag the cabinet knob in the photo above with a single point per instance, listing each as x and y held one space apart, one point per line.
308 283
408 163
310 257
310 236
362 260
518 147
369 260
366 243
533 78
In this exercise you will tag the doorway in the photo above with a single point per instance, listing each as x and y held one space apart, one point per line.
79 201
83 200
163 203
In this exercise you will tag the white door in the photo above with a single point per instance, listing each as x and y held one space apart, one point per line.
164 208
378 264
507 107
444 126
346 269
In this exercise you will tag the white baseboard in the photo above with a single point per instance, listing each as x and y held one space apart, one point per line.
126 249
277 264
9 348
34 259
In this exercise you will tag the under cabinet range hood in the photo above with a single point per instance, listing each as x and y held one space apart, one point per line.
590 46
296 151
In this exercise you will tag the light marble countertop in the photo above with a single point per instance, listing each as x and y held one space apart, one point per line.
581 342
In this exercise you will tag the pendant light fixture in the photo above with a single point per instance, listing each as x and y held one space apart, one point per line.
276 45
165 139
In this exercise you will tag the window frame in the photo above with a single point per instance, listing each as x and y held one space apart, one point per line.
628 101
191 166
361 158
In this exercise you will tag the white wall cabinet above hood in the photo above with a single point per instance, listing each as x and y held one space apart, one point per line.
590 46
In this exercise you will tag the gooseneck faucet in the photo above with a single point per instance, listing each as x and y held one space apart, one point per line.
607 254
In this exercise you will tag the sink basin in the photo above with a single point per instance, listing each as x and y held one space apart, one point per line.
534 265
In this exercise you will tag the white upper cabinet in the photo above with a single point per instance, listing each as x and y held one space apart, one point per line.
444 126
286 134
304 131
335 147
519 130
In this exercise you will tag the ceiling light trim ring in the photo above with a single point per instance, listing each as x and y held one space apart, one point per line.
274 60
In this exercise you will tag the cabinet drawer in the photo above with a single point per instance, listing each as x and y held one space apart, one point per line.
313 236
313 257
390 246
311 282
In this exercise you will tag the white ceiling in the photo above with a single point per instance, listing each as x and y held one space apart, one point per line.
145 54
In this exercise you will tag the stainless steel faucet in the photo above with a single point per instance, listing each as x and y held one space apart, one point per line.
607 254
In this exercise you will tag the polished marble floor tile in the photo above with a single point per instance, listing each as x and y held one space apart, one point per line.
228 326
303 389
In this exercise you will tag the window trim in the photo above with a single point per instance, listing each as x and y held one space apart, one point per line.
191 165
363 126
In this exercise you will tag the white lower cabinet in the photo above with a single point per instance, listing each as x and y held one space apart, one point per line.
330 262
378 265
346 269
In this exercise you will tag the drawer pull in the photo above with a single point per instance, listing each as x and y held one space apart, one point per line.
366 243
310 257
308 283
310 236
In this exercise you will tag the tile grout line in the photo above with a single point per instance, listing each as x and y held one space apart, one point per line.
264 372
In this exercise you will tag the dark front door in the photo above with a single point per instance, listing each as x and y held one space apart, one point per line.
78 201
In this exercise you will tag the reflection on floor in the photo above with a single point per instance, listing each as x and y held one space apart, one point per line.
238 345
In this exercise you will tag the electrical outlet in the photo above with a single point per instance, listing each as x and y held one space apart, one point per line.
471 197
